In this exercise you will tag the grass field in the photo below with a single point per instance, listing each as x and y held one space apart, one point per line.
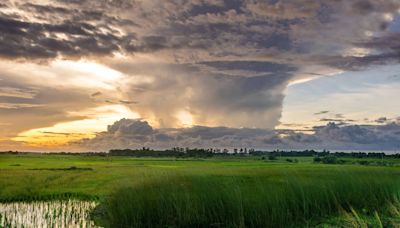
220 192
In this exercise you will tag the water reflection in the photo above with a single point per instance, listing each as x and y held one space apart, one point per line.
57 214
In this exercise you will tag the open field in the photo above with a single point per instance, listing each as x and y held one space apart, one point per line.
247 192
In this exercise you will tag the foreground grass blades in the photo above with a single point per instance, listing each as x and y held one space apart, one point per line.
247 201
70 213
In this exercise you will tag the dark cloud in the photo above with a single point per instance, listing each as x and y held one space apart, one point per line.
339 115
221 28
389 42
330 120
63 133
348 134
381 120
251 66
129 127
355 63
284 32
338 119
43 9
96 94
111 102
29 40
49 31
137 133
363 7
321 112
128 102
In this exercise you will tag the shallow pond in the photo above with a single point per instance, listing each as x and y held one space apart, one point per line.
57 214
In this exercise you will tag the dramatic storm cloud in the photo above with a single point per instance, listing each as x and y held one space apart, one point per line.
221 64
131 133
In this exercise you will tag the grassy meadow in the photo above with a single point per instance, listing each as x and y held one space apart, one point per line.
212 192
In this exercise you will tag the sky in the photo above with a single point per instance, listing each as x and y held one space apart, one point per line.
80 75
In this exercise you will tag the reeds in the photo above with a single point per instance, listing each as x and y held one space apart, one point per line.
248 201
57 214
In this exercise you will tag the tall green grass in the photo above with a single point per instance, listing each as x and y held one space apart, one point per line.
247 201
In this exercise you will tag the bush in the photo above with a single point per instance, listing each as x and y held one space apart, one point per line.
363 162
329 159
272 157
317 159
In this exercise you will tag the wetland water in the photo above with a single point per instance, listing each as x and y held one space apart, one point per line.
57 214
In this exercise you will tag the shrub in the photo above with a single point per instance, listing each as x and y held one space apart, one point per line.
330 159
363 162
317 159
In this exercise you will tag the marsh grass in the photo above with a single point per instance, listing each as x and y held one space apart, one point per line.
247 201
208 192
70 213
389 216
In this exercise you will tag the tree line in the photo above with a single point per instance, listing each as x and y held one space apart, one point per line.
217 152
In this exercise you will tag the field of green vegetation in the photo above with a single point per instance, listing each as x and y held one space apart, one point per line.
212 192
